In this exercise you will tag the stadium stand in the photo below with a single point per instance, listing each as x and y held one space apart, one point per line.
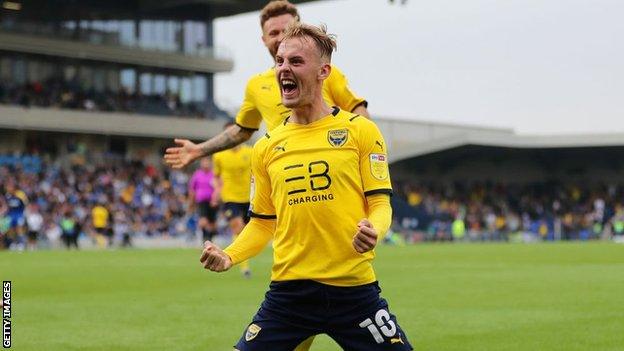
148 201
141 200
501 212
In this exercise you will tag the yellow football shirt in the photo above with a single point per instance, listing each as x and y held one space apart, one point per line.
314 180
264 102
100 215
233 166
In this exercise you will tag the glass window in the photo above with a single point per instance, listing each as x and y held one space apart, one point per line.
173 84
112 79
146 84
33 71
159 84
199 88
186 90
85 76
126 33
128 79
99 79
69 72
19 71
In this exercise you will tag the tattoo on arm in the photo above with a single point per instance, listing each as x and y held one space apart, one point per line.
227 139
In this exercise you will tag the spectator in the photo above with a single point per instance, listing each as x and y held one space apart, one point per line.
34 222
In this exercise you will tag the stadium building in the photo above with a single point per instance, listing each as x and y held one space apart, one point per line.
122 77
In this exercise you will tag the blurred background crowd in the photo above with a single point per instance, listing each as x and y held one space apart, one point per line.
497 211
109 201
104 198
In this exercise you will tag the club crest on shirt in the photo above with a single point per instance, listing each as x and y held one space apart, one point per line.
337 137
379 166
252 332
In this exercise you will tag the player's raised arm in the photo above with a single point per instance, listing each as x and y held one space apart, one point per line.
186 151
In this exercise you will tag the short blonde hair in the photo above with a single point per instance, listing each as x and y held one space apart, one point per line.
325 43
277 8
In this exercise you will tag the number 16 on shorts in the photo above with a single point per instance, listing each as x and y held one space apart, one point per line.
382 325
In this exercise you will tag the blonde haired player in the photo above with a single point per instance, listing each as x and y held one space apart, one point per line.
262 100
321 193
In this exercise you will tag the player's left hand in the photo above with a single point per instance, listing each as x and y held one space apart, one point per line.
366 237
214 259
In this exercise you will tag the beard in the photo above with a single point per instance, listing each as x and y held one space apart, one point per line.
273 50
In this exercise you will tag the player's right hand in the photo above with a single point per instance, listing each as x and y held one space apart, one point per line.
183 154
214 259
366 237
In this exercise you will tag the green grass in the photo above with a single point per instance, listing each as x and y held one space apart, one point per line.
446 297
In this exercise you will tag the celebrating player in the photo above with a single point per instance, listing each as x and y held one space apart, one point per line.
262 97
321 192
262 100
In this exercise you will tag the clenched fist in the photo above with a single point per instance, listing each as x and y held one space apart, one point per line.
214 259
366 237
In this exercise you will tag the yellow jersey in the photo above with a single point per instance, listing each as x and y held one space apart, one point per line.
264 102
233 166
99 216
314 179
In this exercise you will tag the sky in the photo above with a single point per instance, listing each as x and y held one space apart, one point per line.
537 66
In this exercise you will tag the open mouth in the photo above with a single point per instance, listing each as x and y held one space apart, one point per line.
289 87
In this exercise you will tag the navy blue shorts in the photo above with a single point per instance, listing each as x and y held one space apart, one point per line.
236 209
357 318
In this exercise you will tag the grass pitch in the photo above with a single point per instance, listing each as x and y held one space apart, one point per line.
567 296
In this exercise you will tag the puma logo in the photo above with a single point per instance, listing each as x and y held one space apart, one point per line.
281 147
397 340
379 143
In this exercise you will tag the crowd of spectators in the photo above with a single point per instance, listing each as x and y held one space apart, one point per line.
60 93
110 200
497 211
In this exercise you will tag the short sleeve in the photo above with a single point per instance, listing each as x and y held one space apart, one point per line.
340 92
373 160
248 116
260 194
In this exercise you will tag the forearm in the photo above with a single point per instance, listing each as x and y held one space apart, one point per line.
254 237
380 213
232 136
361 110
